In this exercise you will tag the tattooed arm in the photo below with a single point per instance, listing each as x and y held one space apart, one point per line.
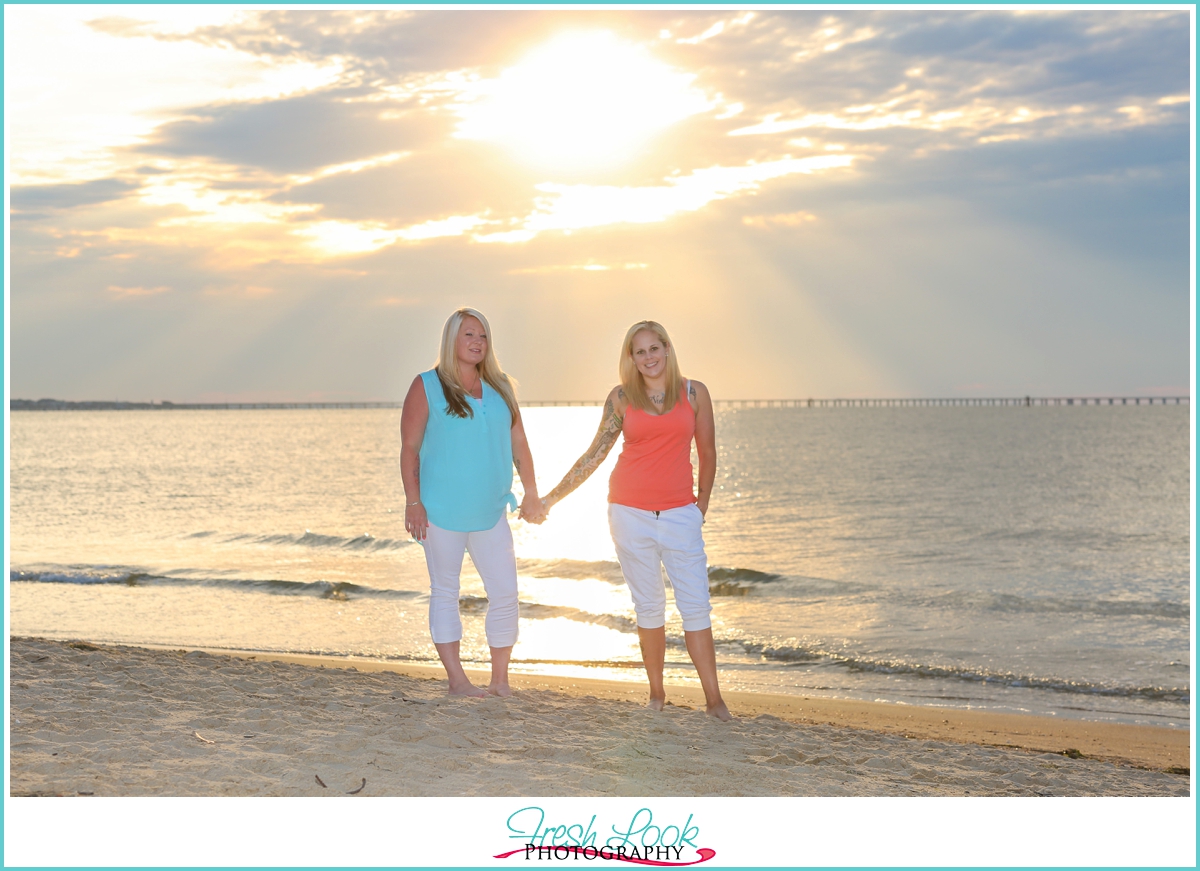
606 437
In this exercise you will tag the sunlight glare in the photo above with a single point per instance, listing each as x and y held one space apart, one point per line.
560 639
583 100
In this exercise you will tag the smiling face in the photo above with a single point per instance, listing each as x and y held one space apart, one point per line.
649 355
471 345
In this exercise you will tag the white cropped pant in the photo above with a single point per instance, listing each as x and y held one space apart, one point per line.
492 553
646 540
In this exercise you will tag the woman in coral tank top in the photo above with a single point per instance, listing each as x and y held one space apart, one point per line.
654 515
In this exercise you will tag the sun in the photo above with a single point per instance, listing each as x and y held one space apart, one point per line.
581 101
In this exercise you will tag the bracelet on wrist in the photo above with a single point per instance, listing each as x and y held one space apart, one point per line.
411 504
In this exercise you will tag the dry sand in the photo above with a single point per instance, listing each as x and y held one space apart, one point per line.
132 721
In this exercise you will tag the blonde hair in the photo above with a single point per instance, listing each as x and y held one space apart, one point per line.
489 370
631 379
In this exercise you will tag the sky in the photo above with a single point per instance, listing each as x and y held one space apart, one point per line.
214 203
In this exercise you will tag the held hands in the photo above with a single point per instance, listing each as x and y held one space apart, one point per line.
532 509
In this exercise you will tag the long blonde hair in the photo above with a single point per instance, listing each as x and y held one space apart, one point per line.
631 379
489 370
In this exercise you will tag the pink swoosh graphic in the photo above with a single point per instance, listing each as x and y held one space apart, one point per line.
705 855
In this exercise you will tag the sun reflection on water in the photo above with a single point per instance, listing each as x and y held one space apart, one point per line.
583 594
562 640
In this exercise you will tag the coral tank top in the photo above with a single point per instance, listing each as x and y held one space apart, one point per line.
654 470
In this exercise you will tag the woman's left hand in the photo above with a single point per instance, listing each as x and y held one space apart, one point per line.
415 521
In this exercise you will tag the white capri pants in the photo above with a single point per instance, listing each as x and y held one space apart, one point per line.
492 552
672 538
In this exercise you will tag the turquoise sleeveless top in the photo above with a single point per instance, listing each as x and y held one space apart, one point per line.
466 462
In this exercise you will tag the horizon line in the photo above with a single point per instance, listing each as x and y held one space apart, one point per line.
811 402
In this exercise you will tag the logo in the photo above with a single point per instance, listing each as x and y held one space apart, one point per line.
640 842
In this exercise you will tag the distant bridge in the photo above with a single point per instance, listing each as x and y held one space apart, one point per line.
958 400
117 405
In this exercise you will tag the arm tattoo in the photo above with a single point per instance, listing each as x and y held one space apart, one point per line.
692 391
517 463
606 437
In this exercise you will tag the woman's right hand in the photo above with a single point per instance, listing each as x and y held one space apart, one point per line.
415 521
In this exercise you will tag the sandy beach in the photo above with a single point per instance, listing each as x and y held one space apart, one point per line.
109 721
133 721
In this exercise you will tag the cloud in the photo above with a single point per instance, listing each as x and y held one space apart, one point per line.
293 136
791 219
131 292
578 207
68 196
76 95
577 267
342 238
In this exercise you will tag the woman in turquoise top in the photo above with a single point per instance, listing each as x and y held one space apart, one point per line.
460 436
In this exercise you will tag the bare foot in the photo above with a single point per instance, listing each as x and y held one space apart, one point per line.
720 712
656 704
467 689
500 689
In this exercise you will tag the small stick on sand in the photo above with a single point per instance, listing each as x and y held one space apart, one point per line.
360 789
202 738
320 781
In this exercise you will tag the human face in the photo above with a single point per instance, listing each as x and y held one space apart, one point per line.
649 354
471 345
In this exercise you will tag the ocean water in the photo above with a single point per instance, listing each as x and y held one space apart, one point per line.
1017 559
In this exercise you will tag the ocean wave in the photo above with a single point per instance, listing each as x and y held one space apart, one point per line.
572 569
619 622
799 654
364 542
477 606
1013 603
340 590
722 581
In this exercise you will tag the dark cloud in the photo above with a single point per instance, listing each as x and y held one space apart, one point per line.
1124 195
400 43
68 196
293 135
965 55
